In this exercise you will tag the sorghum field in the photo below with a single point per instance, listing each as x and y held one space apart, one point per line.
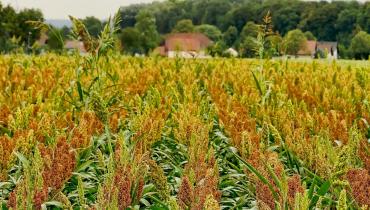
155 133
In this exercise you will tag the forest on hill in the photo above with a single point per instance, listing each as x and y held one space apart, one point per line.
336 21
231 23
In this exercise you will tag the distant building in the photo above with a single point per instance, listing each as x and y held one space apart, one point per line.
185 45
319 49
232 52
328 49
74 45
43 40
308 51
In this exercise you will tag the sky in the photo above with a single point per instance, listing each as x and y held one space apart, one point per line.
60 9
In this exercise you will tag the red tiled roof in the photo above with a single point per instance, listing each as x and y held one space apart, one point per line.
73 44
43 39
186 42
309 48
160 51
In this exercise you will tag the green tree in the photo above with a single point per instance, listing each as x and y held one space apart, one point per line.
327 21
65 31
210 31
128 15
145 24
346 24
346 21
321 21
248 37
93 25
230 36
309 36
7 27
212 12
25 30
364 17
241 15
54 42
15 30
294 41
130 40
286 19
170 13
250 29
217 49
184 26
248 47
344 52
360 45
273 45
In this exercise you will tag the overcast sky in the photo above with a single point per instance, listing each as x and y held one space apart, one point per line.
60 9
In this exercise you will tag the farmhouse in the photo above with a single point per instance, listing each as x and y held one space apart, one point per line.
186 45
327 49
308 51
43 40
75 45
70 45
319 49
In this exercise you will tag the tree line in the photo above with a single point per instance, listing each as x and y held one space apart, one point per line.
232 23
14 30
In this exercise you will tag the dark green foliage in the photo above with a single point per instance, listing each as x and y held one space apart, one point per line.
294 41
53 40
248 38
309 36
14 24
321 21
65 32
234 184
346 23
25 30
286 19
148 30
248 46
184 26
360 45
210 31
128 15
130 39
249 30
93 25
231 35
364 17
217 49
335 21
